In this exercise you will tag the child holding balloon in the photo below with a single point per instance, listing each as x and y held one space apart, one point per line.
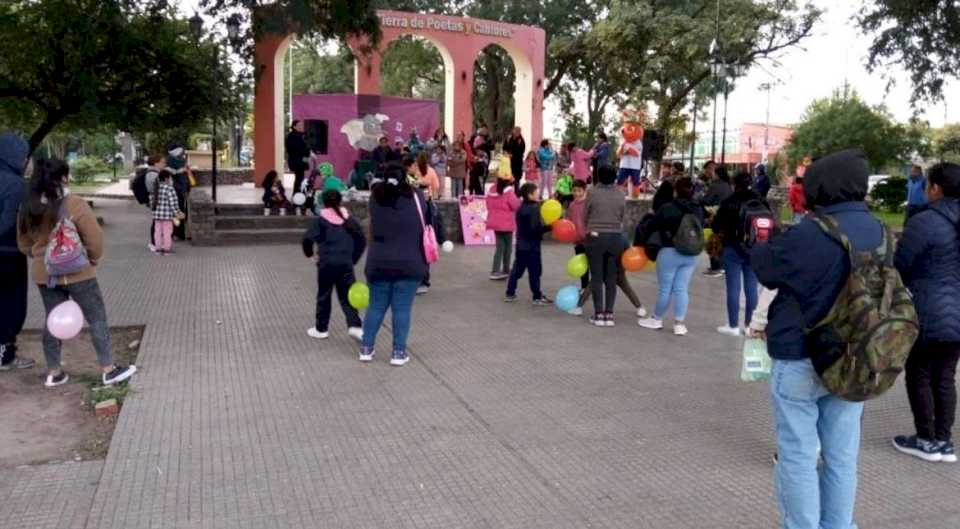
530 230
335 242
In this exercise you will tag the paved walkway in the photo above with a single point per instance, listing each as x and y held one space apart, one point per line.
507 417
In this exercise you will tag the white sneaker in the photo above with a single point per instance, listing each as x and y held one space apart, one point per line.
266 212
366 355
729 331
680 329
576 311
314 333
650 323
152 248
422 289
641 312
356 333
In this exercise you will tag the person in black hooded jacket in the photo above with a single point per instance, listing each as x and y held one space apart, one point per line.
336 242
13 264
928 258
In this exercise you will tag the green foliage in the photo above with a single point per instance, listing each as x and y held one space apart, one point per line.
92 64
495 78
85 168
316 71
946 143
844 121
890 194
413 68
921 36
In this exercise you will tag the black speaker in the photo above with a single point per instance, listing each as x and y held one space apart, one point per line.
317 135
652 142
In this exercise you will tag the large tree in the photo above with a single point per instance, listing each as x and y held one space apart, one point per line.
660 52
91 64
922 36
946 143
844 121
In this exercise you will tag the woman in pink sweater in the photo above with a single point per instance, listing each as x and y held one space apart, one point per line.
502 206
579 162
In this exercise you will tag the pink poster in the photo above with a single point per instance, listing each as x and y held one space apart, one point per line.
473 220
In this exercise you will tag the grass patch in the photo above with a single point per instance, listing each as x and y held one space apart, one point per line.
97 392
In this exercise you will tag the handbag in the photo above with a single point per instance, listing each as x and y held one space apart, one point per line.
431 250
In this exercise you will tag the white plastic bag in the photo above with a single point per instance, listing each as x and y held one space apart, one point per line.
756 365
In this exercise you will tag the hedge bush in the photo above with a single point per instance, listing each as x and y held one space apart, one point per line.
890 194
85 168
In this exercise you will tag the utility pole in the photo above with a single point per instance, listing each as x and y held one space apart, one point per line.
766 87
693 144
723 142
714 49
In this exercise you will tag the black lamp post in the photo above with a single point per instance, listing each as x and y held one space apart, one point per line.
728 71
233 29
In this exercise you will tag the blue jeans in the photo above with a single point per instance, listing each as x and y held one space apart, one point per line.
736 264
674 271
398 296
806 414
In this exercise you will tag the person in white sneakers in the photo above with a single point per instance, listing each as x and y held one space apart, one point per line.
674 268
335 241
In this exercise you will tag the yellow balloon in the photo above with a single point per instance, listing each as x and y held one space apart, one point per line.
707 233
551 211
577 266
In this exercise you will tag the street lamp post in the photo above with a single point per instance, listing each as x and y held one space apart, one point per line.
233 29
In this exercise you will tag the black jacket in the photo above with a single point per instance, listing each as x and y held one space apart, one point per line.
728 222
13 156
663 196
530 228
341 245
297 150
396 245
717 193
928 258
517 148
667 219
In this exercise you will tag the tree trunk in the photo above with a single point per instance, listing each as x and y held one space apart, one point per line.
49 123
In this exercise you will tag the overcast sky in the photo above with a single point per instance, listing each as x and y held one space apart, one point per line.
835 52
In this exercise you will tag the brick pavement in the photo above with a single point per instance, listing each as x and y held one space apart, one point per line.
507 417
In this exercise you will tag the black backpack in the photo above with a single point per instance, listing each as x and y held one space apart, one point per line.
139 187
689 237
757 223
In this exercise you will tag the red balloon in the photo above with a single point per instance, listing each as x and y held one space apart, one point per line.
634 259
564 231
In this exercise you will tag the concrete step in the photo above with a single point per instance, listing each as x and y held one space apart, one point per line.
243 209
257 237
260 222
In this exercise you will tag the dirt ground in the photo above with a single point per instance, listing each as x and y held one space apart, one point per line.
42 425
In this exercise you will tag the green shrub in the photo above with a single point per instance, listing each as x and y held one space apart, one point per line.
890 194
85 168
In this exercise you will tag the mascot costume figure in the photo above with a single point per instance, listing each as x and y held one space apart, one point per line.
630 151
178 168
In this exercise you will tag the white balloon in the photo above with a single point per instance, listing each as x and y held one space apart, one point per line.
447 246
299 199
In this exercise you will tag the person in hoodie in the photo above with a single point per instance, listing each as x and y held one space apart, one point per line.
674 269
761 183
604 210
177 167
530 230
718 190
335 242
502 206
928 258
13 264
916 191
808 269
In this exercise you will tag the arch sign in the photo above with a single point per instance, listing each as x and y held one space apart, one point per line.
459 40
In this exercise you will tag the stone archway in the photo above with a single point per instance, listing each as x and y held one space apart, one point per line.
459 41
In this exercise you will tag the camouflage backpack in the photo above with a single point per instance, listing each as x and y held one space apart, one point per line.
862 345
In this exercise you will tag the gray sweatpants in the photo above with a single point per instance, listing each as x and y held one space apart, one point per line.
87 295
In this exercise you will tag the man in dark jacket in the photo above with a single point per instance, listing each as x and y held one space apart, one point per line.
13 264
928 258
761 184
517 149
808 269
298 153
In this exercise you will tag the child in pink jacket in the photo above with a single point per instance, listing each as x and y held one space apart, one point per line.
502 205
579 162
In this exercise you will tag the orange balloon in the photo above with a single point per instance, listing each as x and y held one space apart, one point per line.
634 259
564 231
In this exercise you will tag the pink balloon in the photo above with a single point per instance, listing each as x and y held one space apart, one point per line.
65 320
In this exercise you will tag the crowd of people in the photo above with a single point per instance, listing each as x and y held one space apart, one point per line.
790 275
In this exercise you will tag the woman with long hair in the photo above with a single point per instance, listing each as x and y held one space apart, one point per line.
396 263
426 175
49 202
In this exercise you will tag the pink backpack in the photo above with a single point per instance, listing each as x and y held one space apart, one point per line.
65 253
431 250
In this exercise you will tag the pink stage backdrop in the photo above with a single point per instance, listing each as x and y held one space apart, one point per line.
356 122
473 220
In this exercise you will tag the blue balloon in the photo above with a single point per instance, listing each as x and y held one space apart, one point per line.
567 298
